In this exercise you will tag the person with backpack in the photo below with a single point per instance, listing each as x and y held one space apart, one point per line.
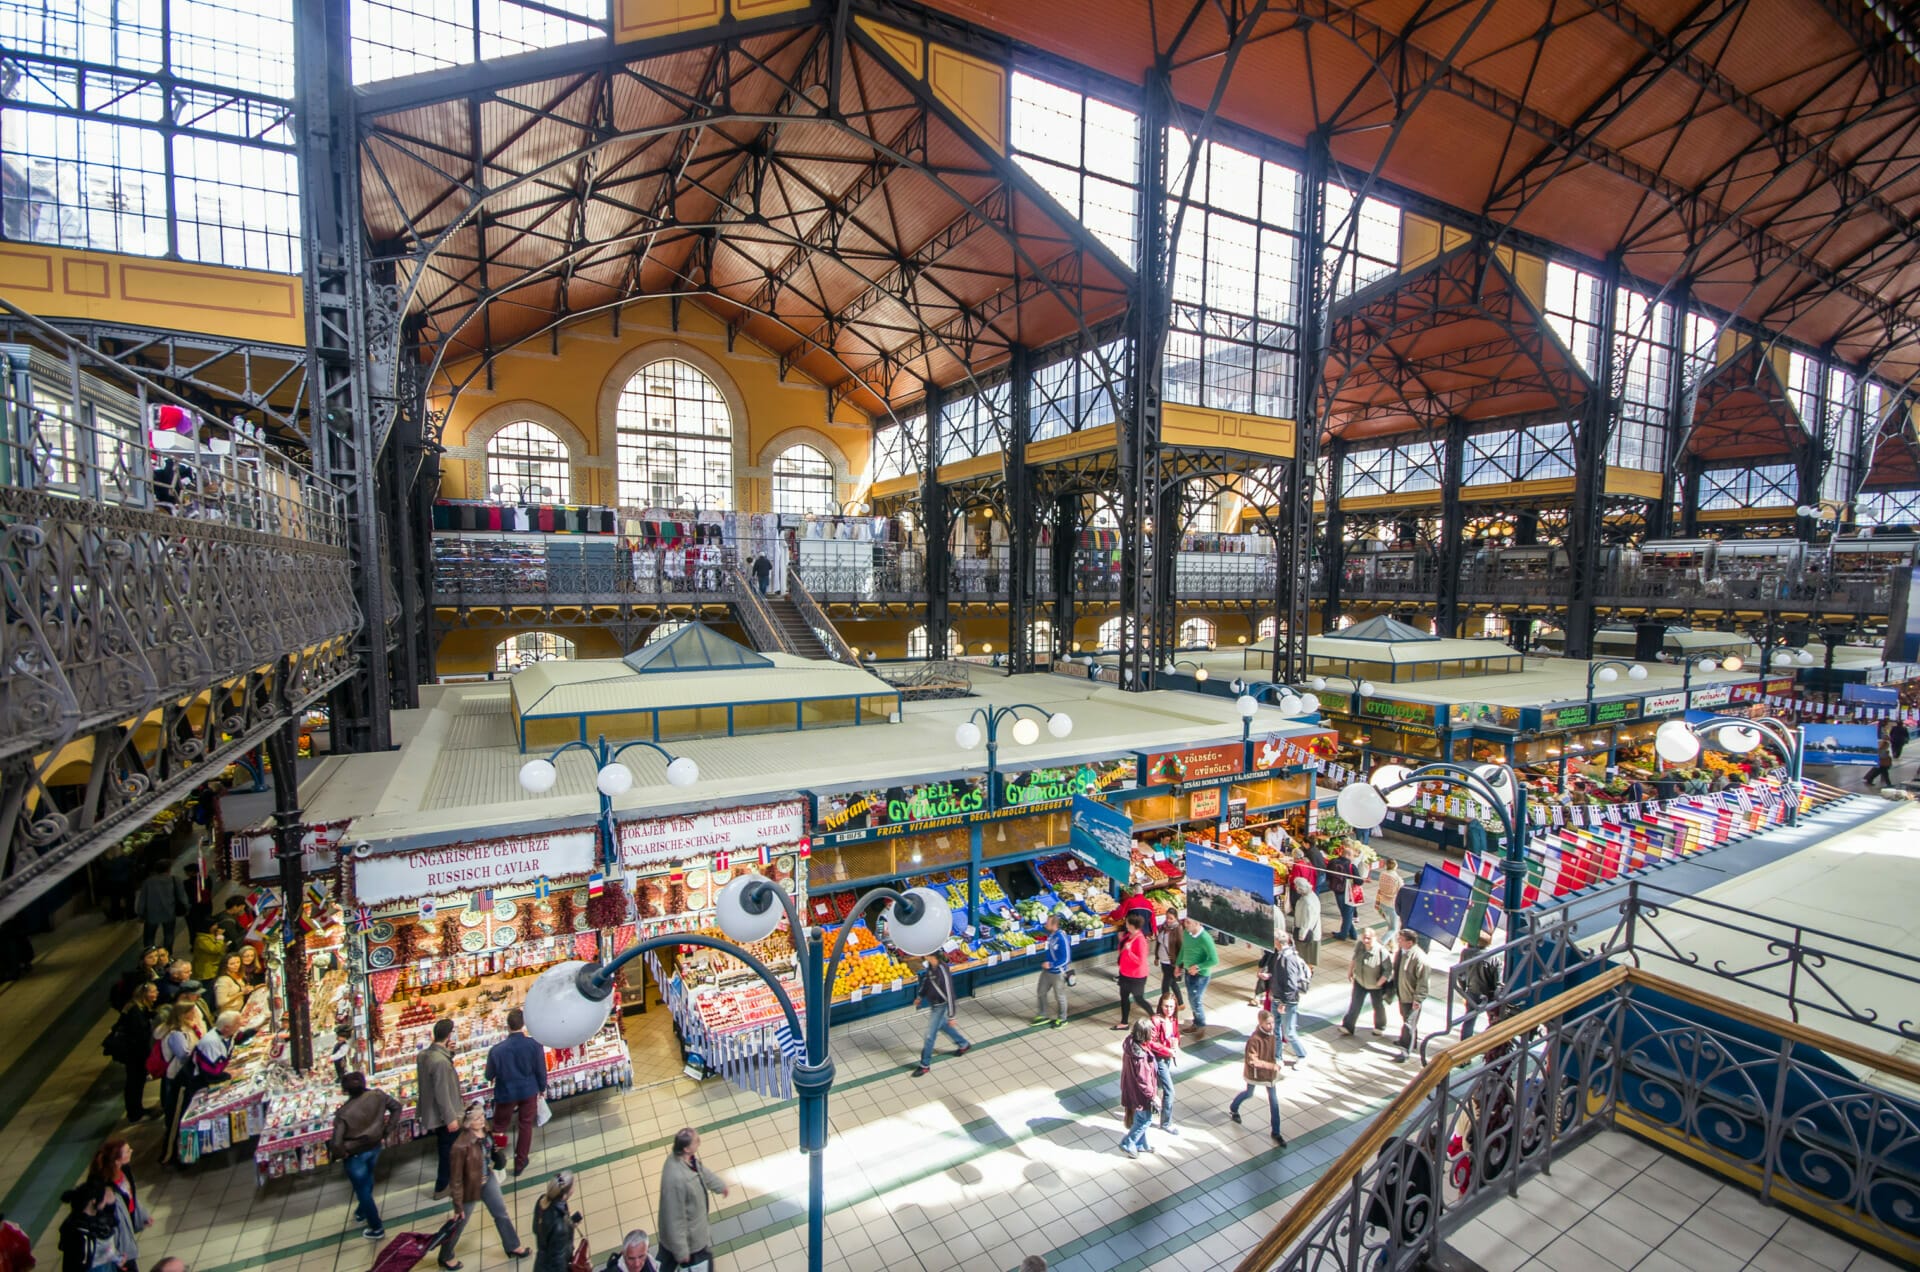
130 1042
86 1234
1291 976
175 1038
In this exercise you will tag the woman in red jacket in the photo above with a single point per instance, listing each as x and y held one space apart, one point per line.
1135 957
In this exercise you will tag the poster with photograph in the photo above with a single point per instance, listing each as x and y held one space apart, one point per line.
1231 894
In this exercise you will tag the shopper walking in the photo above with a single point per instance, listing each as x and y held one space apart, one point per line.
1306 922
86 1234
1165 1046
1166 948
209 949
1411 979
685 1185
935 993
471 1181
1480 985
131 1042
361 1128
554 1221
1139 1087
633 1255
1291 976
762 573
1884 768
1135 956
1341 880
1386 895
231 922
517 1067
441 1111
1198 959
1369 974
112 1165
1897 734
1053 975
1260 1068
161 902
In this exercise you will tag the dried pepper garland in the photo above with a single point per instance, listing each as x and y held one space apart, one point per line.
565 914
609 909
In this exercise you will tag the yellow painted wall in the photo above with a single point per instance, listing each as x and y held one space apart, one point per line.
573 392
469 651
138 291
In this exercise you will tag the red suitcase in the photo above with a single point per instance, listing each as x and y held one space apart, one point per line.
407 1249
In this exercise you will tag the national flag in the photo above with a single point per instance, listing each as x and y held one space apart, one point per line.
1440 904
1482 914
1483 867
480 900
766 855
596 884
428 908
791 1045
362 918
1536 877
722 860
806 849
542 888
316 893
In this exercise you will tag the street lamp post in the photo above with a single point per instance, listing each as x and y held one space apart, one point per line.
1678 742
612 779
984 723
1605 672
569 1002
1290 702
1362 690
1365 804
1786 653
1175 664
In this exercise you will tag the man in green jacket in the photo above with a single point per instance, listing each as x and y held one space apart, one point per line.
1198 958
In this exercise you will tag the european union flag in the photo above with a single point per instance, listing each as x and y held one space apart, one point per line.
1440 904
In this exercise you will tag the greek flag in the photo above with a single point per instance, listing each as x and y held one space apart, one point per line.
790 1044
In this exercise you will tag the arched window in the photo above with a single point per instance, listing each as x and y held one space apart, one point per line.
1196 631
1269 626
1109 634
527 463
917 645
675 434
803 481
527 648
1040 636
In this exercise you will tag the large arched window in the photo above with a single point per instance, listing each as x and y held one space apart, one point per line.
675 434
1040 636
527 648
803 481
1109 634
1196 631
527 463
1269 626
917 644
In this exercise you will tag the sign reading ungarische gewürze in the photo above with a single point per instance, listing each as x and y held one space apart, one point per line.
431 872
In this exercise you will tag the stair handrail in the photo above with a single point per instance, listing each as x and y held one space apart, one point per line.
761 629
817 619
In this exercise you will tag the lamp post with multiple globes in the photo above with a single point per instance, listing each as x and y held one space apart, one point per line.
1605 672
984 725
611 780
1678 742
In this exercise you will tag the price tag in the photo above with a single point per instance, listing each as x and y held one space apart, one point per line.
897 984
993 960
858 994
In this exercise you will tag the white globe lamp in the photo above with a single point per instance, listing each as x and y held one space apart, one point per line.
1366 688
928 932
682 771
1606 676
1636 672
1739 741
560 1013
967 736
1309 703
538 776
615 779
1247 705
1289 705
1360 806
1675 743
1060 724
741 923
1025 731
1200 675
1392 775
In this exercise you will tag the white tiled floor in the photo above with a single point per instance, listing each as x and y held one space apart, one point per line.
1617 1204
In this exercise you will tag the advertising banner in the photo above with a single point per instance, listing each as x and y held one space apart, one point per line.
1710 697
1169 768
1663 703
898 805
1103 837
463 867
730 830
1023 787
1204 805
1842 744
1231 894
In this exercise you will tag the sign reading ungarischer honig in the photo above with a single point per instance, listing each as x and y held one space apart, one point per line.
729 829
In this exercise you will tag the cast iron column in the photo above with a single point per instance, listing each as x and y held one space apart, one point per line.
1066 539
1139 448
1692 471
1585 546
289 835
1682 392
1333 548
1020 517
934 520
1310 303
1453 529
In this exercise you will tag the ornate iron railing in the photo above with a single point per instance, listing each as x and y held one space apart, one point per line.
944 678
156 624
1757 1098
471 570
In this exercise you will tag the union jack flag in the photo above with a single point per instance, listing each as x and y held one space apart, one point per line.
362 918
1483 867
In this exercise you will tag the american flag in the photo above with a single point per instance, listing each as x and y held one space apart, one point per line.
480 900
790 1044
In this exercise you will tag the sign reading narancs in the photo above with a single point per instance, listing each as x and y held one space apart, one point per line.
432 872
703 834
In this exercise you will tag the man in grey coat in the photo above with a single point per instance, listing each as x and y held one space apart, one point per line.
685 1236
440 1104
1411 984
160 903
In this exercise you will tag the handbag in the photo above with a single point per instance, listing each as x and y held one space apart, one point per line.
582 1258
